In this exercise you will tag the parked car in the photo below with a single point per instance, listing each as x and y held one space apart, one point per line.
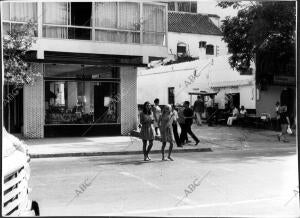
15 177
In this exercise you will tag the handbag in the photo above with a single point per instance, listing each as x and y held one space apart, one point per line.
289 131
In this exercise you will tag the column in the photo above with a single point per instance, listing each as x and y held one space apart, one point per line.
129 109
34 111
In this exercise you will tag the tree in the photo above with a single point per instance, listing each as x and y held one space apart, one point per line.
17 72
16 44
260 27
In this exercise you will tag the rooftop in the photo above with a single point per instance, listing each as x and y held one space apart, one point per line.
192 23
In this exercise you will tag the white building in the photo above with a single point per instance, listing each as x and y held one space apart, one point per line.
186 30
172 83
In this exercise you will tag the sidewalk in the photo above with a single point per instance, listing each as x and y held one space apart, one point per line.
211 138
97 146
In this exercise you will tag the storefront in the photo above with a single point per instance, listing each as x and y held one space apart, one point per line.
81 99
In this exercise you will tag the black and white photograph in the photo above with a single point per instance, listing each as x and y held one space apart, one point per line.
150 108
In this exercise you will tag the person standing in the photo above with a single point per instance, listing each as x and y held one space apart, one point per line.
157 114
284 124
175 126
166 130
147 129
198 109
188 119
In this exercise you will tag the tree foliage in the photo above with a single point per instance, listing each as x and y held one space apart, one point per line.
259 27
16 43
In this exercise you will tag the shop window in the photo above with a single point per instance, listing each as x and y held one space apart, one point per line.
171 95
209 49
77 94
75 102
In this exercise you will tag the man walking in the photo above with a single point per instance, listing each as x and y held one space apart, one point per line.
198 109
188 116
183 134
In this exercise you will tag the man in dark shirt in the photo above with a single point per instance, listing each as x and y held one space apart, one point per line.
198 109
188 116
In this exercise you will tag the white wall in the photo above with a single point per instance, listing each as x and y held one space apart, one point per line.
192 40
247 96
154 83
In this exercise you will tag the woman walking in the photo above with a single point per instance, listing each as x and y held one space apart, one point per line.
166 130
147 130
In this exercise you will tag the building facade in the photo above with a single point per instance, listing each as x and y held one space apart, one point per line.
87 54
187 27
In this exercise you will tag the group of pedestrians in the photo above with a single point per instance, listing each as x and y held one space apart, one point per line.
153 119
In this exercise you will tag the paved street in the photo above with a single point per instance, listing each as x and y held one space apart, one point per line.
256 179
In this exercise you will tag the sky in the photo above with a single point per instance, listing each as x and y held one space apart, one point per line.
209 7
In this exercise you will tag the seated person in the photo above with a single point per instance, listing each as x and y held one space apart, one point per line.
235 113
243 112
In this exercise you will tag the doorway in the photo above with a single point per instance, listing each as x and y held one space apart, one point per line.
233 99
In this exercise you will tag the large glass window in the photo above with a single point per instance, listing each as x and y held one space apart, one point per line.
117 22
154 24
16 14
76 94
122 22
67 20
187 7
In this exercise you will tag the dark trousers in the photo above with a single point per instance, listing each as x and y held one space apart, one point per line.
189 131
183 134
175 132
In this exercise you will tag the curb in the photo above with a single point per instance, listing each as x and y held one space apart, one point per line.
86 154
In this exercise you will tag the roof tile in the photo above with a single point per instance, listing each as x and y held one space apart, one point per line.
192 23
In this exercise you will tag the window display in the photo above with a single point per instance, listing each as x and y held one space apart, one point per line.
75 101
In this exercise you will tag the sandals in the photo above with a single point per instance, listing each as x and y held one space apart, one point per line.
171 159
